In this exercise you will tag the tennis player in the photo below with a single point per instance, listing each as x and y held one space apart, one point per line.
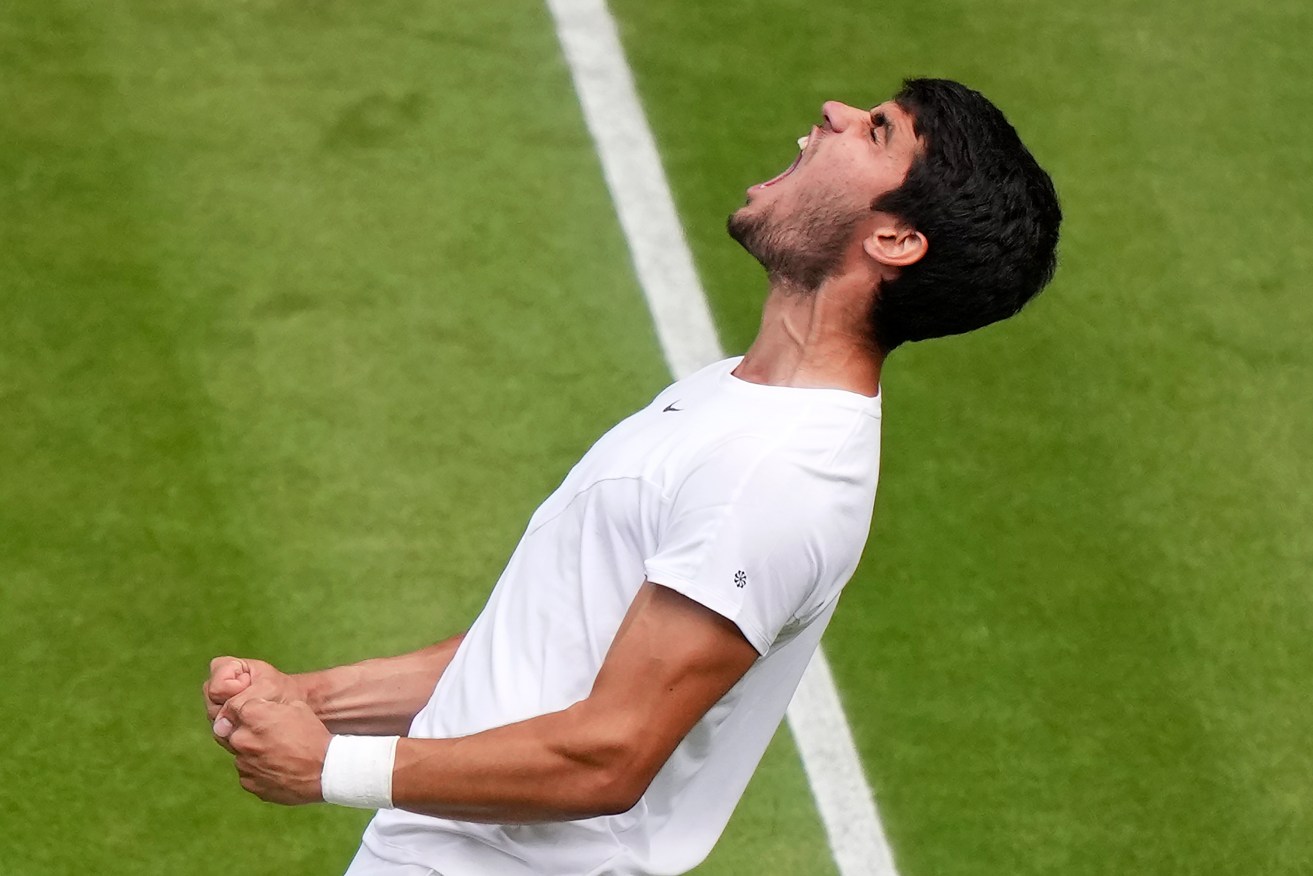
606 709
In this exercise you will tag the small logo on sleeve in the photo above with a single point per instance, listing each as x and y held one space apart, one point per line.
671 407
740 579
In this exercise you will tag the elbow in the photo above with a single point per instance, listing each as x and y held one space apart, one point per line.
617 789
617 772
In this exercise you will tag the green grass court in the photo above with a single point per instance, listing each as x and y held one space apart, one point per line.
305 306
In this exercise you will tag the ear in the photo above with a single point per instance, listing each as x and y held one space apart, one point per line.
895 244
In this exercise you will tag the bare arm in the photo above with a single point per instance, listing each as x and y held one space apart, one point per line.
374 697
378 697
671 660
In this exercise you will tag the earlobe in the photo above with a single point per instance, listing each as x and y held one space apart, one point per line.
896 246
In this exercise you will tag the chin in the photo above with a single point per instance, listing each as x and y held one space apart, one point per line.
740 224
751 210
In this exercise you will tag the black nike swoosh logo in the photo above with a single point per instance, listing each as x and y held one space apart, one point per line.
671 407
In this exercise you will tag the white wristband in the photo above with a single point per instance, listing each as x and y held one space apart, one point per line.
358 771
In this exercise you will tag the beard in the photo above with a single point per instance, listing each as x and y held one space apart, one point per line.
801 250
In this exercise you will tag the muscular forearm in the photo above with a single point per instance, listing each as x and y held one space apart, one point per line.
670 662
557 767
379 696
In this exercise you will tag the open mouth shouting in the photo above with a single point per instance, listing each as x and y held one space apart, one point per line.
803 143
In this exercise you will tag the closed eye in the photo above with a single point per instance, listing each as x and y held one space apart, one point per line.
882 126
878 124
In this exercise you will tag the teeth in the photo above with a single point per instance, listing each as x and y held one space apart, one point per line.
802 142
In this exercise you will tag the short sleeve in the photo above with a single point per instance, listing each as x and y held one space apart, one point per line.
745 535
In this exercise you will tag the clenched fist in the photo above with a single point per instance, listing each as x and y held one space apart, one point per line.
233 680
279 748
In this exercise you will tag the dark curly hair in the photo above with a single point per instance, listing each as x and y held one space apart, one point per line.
987 209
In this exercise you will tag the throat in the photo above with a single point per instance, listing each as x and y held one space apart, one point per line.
813 339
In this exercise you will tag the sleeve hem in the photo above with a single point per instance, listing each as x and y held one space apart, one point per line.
723 607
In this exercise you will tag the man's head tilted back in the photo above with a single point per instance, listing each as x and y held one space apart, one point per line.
930 198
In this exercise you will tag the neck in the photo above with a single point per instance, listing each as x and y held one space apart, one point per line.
815 339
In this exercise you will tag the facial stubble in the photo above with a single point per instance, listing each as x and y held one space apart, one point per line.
799 250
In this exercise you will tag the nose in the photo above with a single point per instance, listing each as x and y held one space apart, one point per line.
838 116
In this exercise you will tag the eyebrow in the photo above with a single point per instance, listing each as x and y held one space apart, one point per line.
883 122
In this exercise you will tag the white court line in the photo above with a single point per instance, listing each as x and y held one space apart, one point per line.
683 323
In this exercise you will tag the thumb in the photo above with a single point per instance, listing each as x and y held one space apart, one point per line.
229 716
223 726
245 710
227 687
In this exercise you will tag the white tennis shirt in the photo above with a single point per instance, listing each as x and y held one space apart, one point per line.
753 500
